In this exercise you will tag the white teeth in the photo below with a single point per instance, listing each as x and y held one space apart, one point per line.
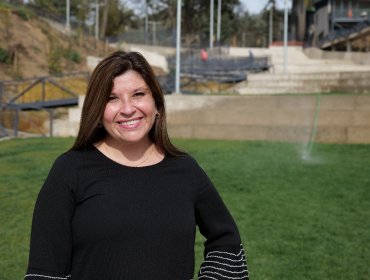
129 123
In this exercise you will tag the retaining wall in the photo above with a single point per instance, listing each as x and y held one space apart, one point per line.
356 57
339 119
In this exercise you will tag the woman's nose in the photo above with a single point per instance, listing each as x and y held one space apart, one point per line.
127 108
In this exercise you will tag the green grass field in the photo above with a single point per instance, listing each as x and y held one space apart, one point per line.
299 219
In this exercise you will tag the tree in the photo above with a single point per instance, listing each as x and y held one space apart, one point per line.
278 21
53 6
119 16
103 27
195 18
299 9
252 30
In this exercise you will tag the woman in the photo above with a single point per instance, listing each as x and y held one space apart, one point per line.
123 202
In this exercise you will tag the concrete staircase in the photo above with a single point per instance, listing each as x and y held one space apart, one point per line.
305 75
69 124
305 83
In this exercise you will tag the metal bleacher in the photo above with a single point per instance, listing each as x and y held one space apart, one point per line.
218 68
340 37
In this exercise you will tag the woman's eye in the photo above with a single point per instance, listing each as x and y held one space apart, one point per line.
137 94
112 98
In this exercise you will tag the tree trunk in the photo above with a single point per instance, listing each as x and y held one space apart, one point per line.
299 12
104 23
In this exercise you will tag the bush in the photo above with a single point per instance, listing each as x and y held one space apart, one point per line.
23 13
54 61
5 56
73 55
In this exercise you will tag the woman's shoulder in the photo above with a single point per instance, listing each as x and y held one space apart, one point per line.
69 156
73 157
193 172
186 162
184 159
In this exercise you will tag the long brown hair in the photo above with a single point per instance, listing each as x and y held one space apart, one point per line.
99 89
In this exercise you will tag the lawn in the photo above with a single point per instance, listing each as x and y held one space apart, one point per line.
299 219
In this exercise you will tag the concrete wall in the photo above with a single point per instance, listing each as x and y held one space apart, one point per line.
165 51
361 58
341 119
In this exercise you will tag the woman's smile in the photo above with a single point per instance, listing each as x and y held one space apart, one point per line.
130 124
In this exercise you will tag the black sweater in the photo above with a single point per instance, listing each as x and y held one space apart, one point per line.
97 219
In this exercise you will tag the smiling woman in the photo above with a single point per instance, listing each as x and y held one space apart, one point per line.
123 202
128 118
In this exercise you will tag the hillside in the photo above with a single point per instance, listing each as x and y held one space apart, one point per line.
31 47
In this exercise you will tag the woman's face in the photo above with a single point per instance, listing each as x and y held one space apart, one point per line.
130 112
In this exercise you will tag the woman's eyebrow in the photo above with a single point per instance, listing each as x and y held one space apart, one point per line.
142 88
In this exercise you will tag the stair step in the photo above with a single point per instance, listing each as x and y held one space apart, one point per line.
292 76
289 84
287 90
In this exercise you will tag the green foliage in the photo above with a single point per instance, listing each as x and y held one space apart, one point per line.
52 6
5 56
72 55
116 17
119 18
195 29
252 30
24 13
298 219
20 10
55 61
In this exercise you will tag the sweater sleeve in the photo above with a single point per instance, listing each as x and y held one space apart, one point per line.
224 256
51 238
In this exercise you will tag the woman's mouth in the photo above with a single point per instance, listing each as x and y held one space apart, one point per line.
130 123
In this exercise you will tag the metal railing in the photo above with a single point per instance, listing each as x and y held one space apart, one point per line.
343 33
40 94
353 14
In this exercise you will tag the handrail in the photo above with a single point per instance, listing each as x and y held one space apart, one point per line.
36 81
37 104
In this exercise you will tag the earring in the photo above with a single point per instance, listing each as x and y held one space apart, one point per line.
157 116
99 125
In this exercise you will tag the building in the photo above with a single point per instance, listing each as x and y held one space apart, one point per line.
340 25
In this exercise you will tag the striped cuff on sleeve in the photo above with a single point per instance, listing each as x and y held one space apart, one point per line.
46 277
223 265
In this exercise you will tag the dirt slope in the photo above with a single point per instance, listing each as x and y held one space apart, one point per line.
36 48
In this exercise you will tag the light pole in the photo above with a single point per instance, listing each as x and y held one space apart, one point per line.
68 9
96 6
285 35
219 22
271 23
146 27
211 24
178 47
154 31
